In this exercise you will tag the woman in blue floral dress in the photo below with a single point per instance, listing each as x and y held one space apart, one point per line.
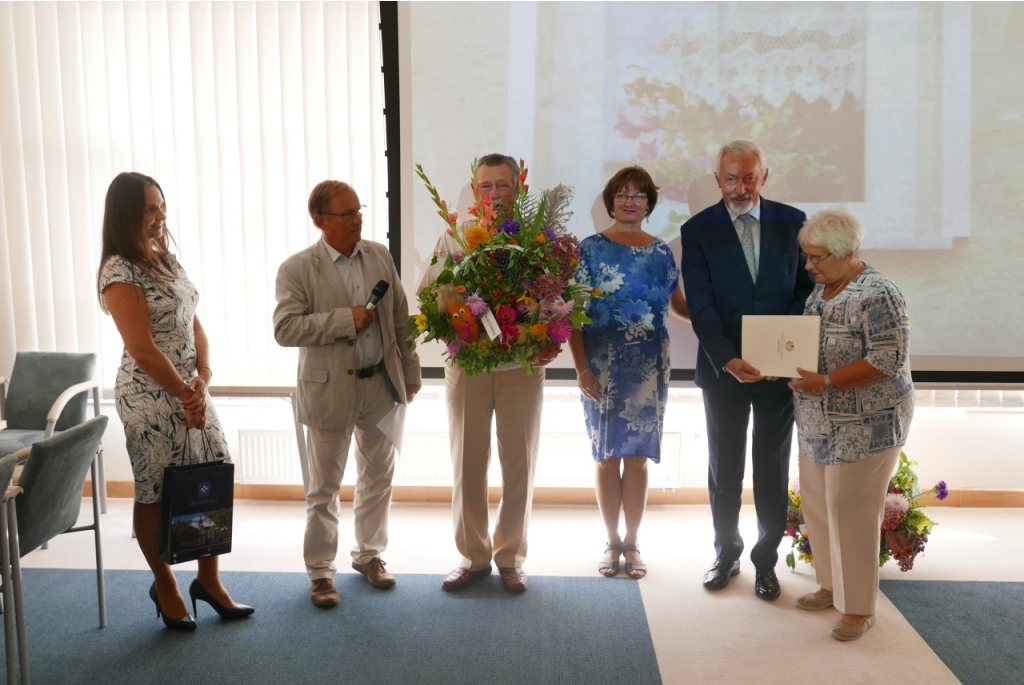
622 357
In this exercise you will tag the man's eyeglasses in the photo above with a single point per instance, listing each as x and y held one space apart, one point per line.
814 259
636 197
349 215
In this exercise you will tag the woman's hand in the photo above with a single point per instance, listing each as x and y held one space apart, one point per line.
810 383
590 384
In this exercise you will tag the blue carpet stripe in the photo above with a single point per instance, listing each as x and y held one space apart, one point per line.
563 630
974 627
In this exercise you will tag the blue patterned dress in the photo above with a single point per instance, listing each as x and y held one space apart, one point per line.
627 345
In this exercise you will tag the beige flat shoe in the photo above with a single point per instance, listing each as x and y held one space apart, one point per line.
845 632
811 603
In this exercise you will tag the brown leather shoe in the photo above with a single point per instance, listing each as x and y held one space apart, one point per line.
375 573
463 577
514 579
323 594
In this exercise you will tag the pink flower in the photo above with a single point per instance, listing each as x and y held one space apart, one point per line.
476 304
559 307
505 315
454 346
559 330
457 255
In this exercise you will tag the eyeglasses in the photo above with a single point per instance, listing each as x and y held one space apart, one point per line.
814 259
636 197
349 215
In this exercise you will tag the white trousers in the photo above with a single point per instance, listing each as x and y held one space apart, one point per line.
843 506
375 469
513 399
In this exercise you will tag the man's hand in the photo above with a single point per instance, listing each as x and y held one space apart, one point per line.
546 356
809 382
743 372
410 391
362 317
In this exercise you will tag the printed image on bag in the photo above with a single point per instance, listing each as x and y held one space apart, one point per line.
198 501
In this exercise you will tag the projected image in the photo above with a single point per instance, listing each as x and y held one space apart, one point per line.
701 76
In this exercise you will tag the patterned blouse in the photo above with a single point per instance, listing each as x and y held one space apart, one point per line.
867 320
172 308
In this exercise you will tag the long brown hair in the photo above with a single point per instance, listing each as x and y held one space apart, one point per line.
122 227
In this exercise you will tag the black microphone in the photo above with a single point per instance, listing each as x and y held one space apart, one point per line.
378 292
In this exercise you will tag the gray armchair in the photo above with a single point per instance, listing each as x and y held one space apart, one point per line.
45 394
47 502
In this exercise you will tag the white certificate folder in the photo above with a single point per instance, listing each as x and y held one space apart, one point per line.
777 345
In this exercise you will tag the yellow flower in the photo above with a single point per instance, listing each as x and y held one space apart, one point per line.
526 299
421 322
476 236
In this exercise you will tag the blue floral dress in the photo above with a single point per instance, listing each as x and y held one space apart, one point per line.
627 344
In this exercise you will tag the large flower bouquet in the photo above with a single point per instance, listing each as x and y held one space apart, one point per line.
505 294
905 526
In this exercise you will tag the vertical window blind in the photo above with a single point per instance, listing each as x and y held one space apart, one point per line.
237 109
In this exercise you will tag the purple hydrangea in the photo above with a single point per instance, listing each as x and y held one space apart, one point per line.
510 227
941 490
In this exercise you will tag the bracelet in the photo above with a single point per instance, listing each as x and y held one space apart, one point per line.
200 368
579 374
183 386
828 383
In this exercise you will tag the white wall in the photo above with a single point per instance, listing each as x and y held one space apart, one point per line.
968 447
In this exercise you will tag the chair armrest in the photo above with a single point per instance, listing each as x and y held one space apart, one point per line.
12 492
22 454
62 401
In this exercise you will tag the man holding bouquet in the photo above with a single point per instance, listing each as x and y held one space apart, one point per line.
513 398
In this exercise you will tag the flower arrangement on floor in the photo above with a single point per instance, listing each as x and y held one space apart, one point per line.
506 295
905 526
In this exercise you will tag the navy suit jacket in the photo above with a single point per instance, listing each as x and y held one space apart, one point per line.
720 290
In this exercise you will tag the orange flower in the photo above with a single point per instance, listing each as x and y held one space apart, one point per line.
513 241
596 292
539 331
460 288
476 236
541 238
453 217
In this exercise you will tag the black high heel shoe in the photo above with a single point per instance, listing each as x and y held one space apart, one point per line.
186 622
197 591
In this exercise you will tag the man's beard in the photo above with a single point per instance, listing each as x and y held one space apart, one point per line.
742 206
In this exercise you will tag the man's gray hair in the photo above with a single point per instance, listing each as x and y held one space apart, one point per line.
836 229
744 149
497 159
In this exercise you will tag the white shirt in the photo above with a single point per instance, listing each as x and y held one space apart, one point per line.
369 343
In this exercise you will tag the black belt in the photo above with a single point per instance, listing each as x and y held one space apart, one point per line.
370 370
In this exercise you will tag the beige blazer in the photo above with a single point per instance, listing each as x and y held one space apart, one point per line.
314 314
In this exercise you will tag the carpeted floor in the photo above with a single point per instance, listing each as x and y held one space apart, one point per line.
976 628
564 630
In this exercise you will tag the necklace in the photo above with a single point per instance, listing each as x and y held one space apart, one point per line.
842 285
629 239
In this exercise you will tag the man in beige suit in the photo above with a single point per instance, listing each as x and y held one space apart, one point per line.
512 400
353 368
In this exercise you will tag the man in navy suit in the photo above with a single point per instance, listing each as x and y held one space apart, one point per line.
741 256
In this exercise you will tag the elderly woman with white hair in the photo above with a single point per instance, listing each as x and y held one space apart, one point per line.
852 417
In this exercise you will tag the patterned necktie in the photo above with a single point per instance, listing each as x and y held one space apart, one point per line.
747 240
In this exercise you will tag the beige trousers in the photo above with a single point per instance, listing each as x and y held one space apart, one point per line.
514 400
375 469
842 506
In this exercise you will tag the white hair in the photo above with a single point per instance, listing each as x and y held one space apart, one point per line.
836 229
744 149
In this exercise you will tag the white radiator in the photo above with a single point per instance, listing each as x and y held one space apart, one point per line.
268 457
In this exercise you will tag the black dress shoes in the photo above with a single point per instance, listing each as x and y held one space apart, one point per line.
766 584
720 573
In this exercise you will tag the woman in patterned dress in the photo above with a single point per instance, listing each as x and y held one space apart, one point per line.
622 357
161 384
851 419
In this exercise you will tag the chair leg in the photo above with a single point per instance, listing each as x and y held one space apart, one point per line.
8 595
100 590
19 604
102 480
